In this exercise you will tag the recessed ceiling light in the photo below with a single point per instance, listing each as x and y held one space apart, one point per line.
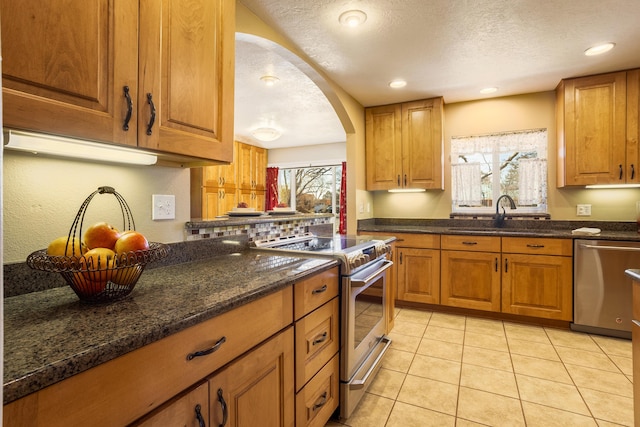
269 80
487 90
352 18
599 49
397 84
266 134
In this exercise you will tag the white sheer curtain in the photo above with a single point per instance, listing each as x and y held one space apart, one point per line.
528 140
532 181
466 189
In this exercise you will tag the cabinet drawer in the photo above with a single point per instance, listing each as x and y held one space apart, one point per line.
422 241
120 391
537 246
186 410
471 243
315 291
317 340
319 398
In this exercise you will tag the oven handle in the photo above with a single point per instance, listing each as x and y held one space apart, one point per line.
360 383
362 282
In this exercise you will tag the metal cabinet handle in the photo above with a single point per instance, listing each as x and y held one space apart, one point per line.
400 257
319 290
469 243
208 351
506 265
620 172
323 338
152 119
496 264
398 180
322 400
225 411
127 96
633 171
199 417
405 179
535 246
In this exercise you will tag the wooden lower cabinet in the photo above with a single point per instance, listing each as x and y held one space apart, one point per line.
471 280
418 275
317 401
190 409
257 389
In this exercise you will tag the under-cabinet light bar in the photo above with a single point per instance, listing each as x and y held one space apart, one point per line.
75 148
407 190
613 186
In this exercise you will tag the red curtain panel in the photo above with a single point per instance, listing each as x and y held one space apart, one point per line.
272 189
343 200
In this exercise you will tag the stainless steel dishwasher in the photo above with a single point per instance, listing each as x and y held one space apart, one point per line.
602 292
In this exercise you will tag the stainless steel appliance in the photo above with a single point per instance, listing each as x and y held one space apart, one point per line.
363 273
602 291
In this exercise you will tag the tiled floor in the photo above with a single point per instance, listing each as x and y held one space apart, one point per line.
449 370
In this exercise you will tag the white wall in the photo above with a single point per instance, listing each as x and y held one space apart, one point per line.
309 155
43 195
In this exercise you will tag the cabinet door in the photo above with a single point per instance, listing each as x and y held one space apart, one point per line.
383 149
633 127
418 276
257 389
187 68
217 201
471 280
594 130
538 285
64 66
253 199
189 410
422 144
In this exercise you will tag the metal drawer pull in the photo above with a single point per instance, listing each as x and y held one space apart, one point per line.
208 351
323 338
633 171
125 125
358 384
620 172
611 248
636 322
153 113
319 290
535 246
225 411
199 416
322 400
470 243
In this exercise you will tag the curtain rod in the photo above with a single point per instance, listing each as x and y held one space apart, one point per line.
511 132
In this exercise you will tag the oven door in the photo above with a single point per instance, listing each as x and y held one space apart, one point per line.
363 340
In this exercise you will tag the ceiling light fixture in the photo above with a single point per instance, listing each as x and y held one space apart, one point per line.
75 148
599 49
266 134
269 80
488 90
397 84
352 18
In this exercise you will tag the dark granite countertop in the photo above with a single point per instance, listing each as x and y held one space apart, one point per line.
50 335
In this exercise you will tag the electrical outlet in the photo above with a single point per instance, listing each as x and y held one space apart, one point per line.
583 210
163 207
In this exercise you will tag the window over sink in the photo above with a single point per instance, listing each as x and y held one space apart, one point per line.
485 167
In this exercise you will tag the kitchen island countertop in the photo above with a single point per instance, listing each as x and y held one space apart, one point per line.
50 335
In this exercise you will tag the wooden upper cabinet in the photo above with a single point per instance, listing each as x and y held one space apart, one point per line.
252 167
186 75
633 126
65 65
591 116
404 145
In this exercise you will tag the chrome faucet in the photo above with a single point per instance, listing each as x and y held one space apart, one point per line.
499 218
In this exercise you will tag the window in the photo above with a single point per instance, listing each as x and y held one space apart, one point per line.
487 166
311 190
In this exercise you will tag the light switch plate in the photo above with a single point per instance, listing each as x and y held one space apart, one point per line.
163 207
583 210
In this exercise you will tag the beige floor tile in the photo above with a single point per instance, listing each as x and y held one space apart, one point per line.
590 359
551 393
429 394
489 408
441 349
533 349
435 368
450 321
609 382
397 360
543 416
404 415
540 368
484 326
387 383
444 334
466 423
492 342
412 329
415 316
608 407
404 342
372 411
613 346
489 380
526 332
487 358
579 340
625 364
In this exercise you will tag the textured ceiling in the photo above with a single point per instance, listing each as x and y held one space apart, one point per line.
449 48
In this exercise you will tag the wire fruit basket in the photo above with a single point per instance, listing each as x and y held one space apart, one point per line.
103 278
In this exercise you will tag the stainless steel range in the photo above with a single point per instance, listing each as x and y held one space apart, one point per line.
363 271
